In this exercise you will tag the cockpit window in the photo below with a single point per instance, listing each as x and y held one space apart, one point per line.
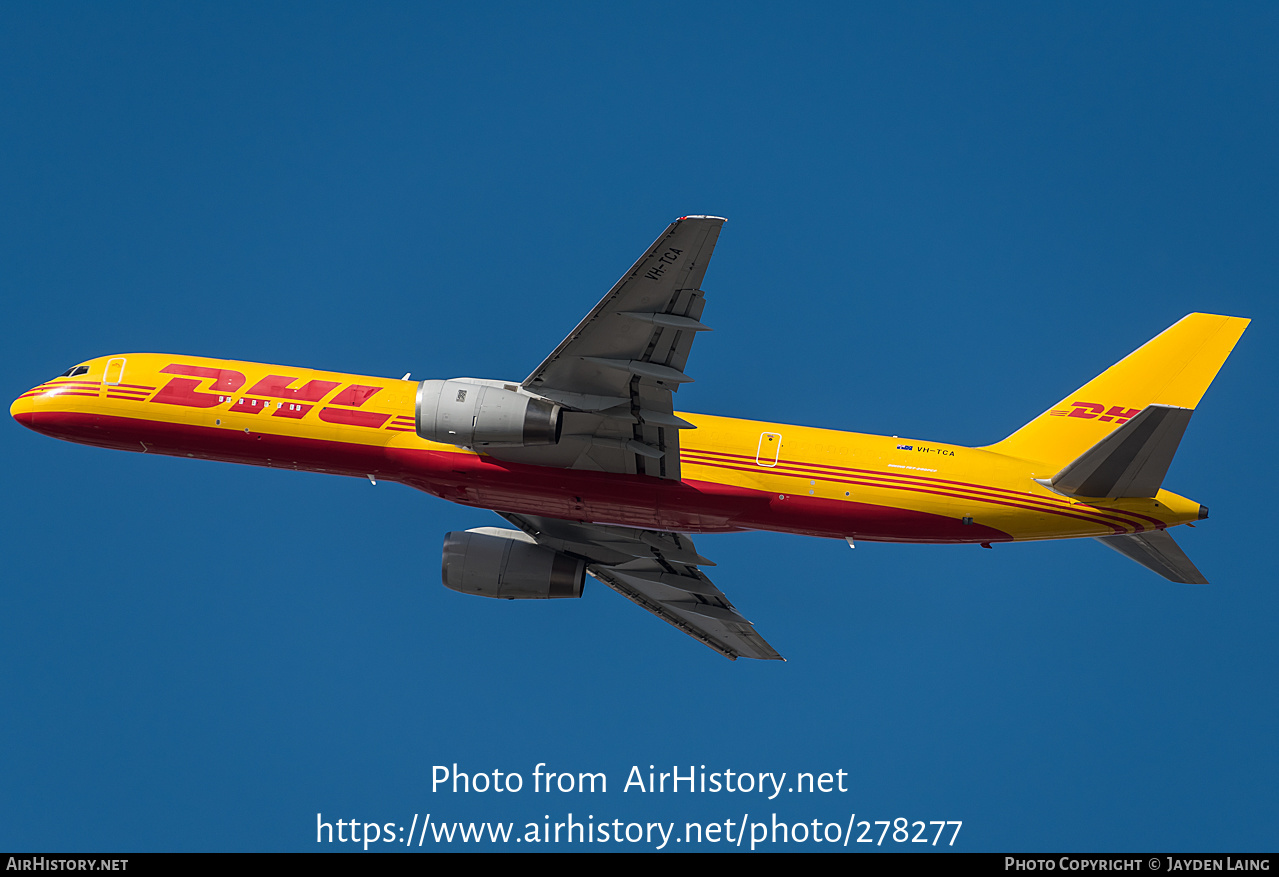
75 370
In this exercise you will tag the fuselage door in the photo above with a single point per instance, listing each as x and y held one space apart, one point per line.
770 445
114 373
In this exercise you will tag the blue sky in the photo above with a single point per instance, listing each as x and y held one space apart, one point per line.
942 218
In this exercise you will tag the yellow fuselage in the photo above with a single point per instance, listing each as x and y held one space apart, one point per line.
736 474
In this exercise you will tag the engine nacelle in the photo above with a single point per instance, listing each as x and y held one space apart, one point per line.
507 564
468 413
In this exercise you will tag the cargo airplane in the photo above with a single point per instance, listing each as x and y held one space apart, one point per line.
596 472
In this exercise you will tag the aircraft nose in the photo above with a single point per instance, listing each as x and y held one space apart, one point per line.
23 407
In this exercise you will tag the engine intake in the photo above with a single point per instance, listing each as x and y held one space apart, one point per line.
470 413
507 564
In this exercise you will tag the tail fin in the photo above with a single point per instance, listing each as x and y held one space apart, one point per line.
1174 369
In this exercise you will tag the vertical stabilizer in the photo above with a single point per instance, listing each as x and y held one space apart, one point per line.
1172 369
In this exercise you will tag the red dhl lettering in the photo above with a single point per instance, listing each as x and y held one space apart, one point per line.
1086 409
354 395
1116 413
187 391
182 391
297 412
277 387
247 405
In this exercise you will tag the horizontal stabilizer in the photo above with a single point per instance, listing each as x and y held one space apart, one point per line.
1157 551
1130 462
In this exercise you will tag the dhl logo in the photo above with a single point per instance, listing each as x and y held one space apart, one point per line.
1091 410
202 387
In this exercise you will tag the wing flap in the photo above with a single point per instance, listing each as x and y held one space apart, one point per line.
718 627
657 571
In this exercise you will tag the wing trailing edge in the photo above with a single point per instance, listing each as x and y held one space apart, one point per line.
657 571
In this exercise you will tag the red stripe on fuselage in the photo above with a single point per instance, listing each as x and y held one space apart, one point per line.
934 491
941 488
800 469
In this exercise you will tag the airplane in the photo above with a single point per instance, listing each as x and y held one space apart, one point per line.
598 475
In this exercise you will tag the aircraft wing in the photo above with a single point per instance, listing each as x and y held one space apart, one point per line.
616 372
658 571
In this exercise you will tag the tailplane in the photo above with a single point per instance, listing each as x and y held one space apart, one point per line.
1157 551
1131 462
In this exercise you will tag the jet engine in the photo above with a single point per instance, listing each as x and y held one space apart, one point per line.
507 564
469 412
